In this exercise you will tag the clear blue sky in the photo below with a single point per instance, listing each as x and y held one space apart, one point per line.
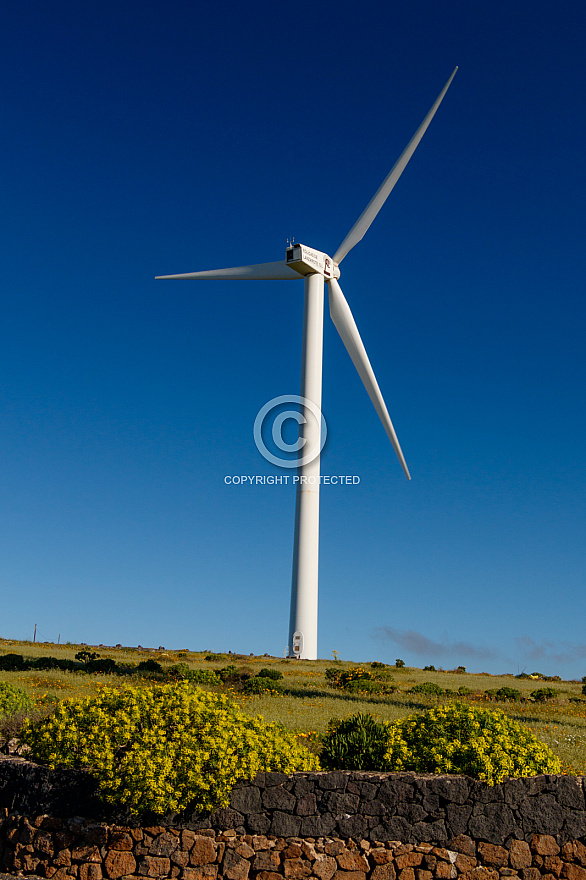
146 138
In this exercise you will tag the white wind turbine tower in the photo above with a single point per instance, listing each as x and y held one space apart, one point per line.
318 268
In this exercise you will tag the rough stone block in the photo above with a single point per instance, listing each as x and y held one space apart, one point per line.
203 851
481 873
203 872
180 858
553 865
519 854
285 825
234 867
445 870
86 854
245 850
465 863
462 844
62 859
118 863
90 872
408 860
258 823
380 855
246 800
492 855
352 861
296 869
494 824
580 852
352 826
325 867
530 873
431 831
542 813
573 872
164 845
384 872
544 845
267 860
187 839
575 824
306 805
152 866
119 840
44 843
349 875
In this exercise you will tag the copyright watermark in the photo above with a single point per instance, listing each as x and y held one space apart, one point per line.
288 480
309 428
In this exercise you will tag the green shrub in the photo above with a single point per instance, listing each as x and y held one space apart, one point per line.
44 663
429 668
149 666
544 694
429 688
213 658
459 738
347 678
463 691
178 670
270 673
232 675
399 664
13 699
101 664
12 662
165 748
508 694
357 743
84 656
203 676
504 694
584 689
260 684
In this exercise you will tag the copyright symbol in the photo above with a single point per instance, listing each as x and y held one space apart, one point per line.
307 446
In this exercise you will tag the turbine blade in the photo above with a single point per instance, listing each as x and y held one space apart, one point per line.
278 271
362 224
346 327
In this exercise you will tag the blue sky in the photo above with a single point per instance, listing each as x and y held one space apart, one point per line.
149 138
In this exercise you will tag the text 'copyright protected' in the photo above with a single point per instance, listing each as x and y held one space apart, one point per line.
323 480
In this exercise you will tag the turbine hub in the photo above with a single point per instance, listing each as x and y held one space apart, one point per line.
306 261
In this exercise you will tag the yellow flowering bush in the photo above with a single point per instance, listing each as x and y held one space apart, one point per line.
12 699
163 749
458 738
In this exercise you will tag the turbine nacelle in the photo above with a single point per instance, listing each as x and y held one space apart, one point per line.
307 261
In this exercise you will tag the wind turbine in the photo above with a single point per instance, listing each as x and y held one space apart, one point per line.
317 269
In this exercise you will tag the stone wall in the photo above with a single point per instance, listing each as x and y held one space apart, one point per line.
341 825
63 849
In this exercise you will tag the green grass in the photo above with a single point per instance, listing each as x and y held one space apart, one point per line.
312 702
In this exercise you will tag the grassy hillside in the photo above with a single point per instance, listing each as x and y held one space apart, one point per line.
310 700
